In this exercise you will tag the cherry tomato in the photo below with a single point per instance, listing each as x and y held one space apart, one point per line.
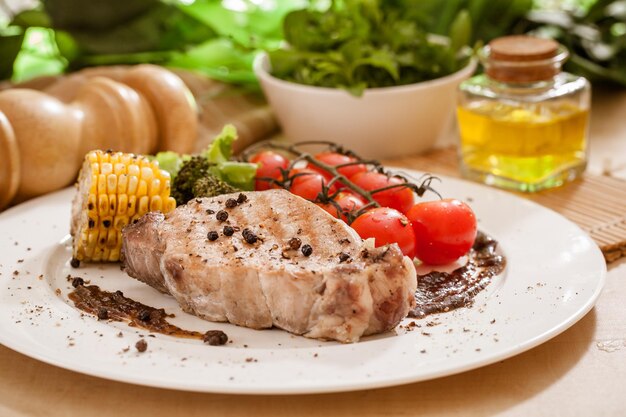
400 198
444 230
347 201
334 159
307 183
386 225
270 164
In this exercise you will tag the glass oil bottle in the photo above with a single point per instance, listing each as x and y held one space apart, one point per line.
523 123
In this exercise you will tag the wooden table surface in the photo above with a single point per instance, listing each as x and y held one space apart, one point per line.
581 372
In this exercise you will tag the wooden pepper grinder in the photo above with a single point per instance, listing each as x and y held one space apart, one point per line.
44 135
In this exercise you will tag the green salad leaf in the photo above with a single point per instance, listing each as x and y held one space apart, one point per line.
171 161
238 174
221 149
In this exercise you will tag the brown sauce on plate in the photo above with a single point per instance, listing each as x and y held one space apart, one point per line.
115 306
439 292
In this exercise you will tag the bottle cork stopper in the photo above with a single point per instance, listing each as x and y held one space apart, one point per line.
521 58
522 48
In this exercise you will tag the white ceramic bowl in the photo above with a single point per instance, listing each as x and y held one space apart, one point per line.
383 123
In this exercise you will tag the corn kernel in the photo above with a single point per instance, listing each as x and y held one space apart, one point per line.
132 205
111 183
133 182
102 184
154 187
146 173
119 169
142 188
156 203
103 204
106 168
122 184
122 204
120 222
143 206
133 169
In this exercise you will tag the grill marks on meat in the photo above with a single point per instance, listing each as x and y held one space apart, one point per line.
270 282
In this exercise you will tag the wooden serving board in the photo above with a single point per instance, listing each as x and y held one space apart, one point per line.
596 203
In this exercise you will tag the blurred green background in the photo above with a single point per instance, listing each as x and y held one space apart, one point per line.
220 37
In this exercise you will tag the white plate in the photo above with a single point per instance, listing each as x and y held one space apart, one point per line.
554 275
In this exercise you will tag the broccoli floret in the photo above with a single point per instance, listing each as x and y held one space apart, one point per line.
194 179
191 171
210 186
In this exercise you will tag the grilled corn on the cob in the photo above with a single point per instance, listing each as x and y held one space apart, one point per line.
114 189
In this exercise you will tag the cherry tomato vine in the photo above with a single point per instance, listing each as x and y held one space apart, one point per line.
329 190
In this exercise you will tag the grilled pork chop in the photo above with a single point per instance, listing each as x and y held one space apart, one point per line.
287 264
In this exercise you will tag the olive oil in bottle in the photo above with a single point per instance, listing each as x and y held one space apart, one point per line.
523 124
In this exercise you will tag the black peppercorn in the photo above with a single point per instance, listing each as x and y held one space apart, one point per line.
343 257
230 203
103 314
222 216
209 211
212 235
249 236
307 250
74 263
76 282
228 231
215 337
242 198
141 345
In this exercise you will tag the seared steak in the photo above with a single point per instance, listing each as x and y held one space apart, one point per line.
276 260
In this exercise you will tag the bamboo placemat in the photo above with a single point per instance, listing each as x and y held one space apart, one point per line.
596 203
